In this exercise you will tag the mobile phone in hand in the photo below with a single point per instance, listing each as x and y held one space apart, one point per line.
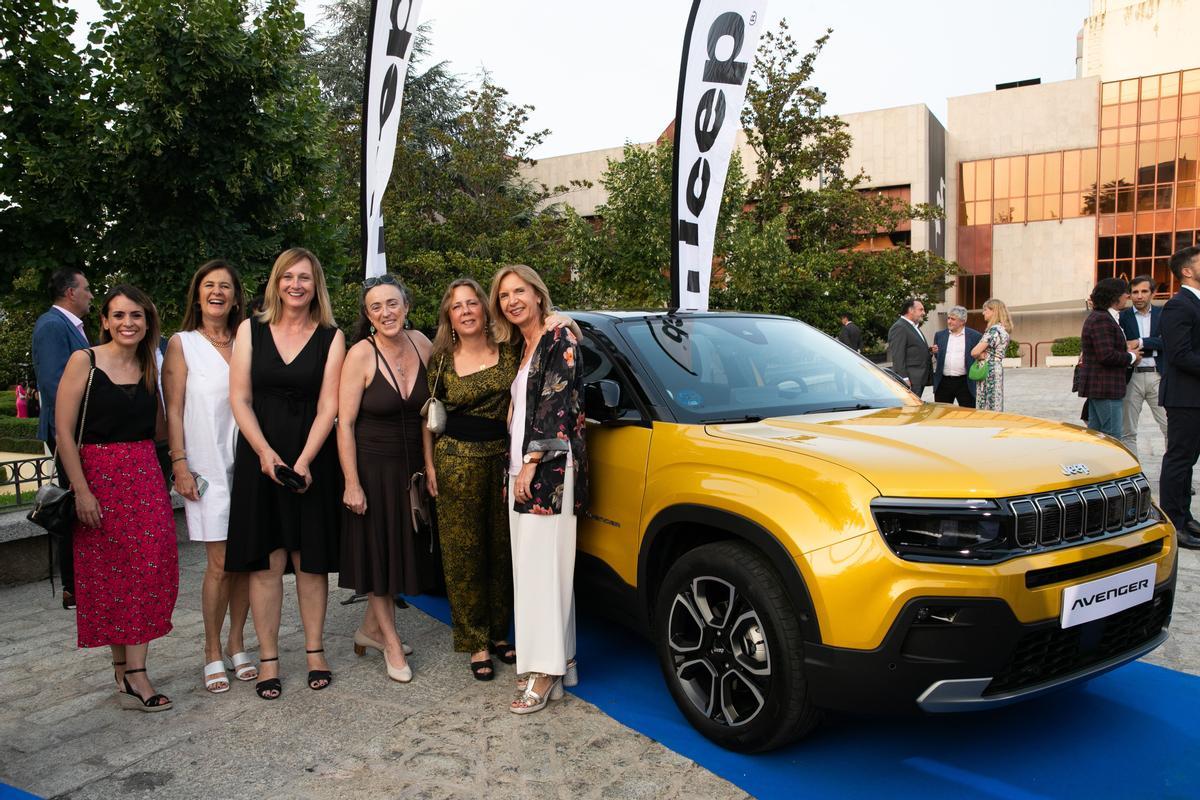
201 484
289 477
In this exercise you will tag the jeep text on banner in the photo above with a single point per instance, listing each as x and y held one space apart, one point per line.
718 55
389 46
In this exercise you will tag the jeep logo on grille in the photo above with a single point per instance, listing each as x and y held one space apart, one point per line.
1075 469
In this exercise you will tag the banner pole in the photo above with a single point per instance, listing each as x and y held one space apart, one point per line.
683 64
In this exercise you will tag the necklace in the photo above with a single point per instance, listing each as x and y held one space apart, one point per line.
213 341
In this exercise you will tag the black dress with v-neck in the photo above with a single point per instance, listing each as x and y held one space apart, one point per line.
379 553
264 516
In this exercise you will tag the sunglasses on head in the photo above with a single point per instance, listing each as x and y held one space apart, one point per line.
380 280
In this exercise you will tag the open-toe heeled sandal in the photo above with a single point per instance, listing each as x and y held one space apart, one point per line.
214 677
483 670
134 701
504 651
242 665
319 679
265 688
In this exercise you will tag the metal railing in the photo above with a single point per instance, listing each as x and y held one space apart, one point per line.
25 476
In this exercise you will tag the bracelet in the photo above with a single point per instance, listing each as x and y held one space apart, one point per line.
177 452
180 458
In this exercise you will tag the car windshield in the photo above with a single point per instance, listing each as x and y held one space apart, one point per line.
730 369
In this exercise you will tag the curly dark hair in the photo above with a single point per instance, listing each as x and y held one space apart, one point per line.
1107 292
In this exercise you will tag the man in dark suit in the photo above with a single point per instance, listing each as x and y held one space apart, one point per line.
1141 323
57 334
1179 393
952 359
907 349
1105 357
850 334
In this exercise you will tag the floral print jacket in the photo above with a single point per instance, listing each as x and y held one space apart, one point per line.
554 419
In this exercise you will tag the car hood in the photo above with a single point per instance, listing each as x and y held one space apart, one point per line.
944 451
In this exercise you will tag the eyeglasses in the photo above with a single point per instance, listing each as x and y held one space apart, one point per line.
381 280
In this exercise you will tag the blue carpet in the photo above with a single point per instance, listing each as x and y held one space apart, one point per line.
12 793
1134 732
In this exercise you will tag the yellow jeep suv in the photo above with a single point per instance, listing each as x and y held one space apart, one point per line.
796 531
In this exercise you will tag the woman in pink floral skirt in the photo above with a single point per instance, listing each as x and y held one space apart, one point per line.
126 562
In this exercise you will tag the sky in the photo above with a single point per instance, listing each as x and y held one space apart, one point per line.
603 73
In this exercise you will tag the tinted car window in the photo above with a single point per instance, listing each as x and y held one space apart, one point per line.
715 368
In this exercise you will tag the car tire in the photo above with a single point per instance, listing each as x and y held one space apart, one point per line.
731 649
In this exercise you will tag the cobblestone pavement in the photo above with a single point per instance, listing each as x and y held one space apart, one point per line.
442 736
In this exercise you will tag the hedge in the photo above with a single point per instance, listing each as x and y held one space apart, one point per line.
1066 346
19 435
31 446
8 404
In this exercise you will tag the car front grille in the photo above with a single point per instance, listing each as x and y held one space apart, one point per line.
1054 652
1070 515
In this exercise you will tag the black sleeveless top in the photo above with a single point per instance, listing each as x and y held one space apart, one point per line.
124 412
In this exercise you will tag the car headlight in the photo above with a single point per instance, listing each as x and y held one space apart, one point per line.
961 530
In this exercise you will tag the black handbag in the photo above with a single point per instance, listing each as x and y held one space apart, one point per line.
54 506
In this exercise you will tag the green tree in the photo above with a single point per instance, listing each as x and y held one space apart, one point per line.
624 260
48 214
215 140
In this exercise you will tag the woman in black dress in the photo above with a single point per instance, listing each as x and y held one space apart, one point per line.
382 390
283 383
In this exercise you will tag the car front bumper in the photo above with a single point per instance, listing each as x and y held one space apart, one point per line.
946 654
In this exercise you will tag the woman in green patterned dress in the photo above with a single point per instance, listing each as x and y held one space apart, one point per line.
472 375
990 390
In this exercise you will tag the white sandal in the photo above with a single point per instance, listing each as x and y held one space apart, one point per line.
242 665
570 679
531 701
214 674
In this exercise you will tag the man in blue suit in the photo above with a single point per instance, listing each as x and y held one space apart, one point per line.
57 334
952 355
1141 325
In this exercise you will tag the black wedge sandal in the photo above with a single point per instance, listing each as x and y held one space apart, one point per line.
319 679
264 687
134 701
483 670
504 651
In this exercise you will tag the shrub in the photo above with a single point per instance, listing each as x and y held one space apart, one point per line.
19 435
8 404
1013 350
1066 346
32 446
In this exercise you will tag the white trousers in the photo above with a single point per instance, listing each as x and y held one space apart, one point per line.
543 564
1143 387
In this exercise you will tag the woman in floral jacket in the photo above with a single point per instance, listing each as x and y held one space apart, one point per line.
547 469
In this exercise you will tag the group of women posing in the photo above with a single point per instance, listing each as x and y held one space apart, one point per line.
250 404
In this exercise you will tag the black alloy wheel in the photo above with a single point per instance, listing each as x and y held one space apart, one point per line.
730 648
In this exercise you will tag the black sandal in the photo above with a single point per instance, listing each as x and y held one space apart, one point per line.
270 684
318 679
132 700
504 651
483 670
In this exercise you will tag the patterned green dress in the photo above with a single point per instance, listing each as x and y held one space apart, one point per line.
990 391
472 518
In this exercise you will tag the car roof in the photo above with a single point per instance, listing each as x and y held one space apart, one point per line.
619 315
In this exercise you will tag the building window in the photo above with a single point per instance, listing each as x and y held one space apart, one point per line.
1149 146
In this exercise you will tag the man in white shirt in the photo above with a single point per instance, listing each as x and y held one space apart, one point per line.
1141 325
56 335
952 359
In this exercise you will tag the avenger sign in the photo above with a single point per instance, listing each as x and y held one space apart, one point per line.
389 47
718 54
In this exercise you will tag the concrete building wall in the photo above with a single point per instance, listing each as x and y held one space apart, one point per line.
1040 263
1131 38
561 170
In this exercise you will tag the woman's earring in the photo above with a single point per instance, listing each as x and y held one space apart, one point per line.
372 330
453 336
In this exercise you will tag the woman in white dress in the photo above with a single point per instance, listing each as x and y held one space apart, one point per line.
202 437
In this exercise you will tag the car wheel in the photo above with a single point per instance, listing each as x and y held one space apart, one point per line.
731 650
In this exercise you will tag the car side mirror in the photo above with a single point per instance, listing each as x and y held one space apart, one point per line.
601 399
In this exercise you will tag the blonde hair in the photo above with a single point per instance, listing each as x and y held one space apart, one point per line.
1003 318
320 310
444 340
505 330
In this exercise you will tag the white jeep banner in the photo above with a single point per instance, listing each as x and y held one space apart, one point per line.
389 47
718 55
